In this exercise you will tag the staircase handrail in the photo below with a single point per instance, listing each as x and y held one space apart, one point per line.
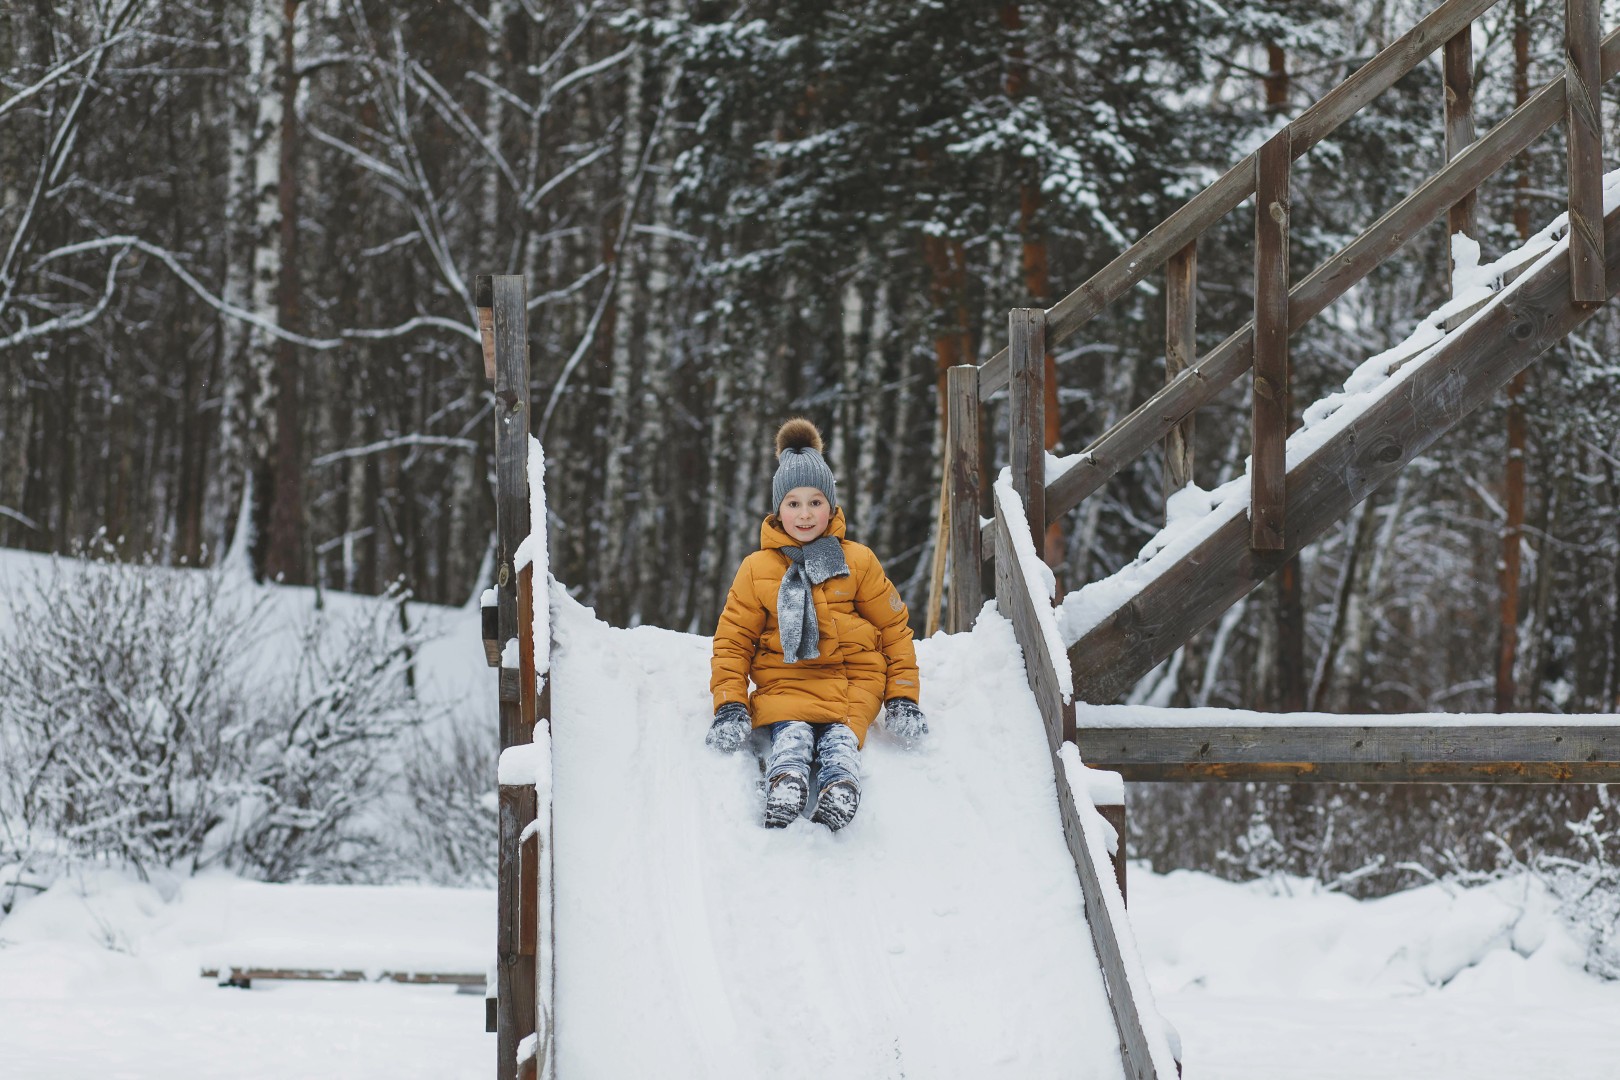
1227 193
1146 425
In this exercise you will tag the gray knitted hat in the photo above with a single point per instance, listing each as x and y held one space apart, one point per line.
800 464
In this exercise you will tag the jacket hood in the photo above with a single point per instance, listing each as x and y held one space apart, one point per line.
772 536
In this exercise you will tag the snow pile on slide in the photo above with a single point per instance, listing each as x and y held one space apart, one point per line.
941 935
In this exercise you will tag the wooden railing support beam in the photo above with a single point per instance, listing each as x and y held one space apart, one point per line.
1114 814
1582 27
509 333
1459 76
1026 338
967 556
1268 472
1180 350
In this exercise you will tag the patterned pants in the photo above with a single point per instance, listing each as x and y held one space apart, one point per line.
794 744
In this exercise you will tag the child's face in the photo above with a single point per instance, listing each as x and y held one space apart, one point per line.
804 513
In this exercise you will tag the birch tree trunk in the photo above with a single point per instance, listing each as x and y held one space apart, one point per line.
657 511
267 29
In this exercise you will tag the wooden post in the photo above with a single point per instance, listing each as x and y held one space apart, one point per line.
1582 77
515 972
967 590
484 299
1459 74
526 659
1114 814
1268 475
1026 342
1180 349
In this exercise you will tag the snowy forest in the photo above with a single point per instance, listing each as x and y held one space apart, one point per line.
238 243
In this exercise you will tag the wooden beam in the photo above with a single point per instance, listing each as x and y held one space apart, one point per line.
526 659
243 975
1135 1053
528 889
1468 368
1459 79
1180 350
514 969
1224 195
515 972
1026 334
1133 435
484 301
967 595
511 329
1582 27
1015 601
1270 410
1374 772
490 624
1114 814
1349 742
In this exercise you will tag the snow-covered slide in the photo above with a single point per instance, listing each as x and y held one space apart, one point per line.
941 935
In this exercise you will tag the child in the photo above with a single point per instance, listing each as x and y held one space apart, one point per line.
813 621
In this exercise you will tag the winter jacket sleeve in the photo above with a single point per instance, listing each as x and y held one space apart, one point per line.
879 603
735 639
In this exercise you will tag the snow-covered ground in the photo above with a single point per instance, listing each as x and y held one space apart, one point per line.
99 977
1278 979
941 935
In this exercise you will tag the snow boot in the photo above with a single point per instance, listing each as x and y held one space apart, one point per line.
784 801
836 805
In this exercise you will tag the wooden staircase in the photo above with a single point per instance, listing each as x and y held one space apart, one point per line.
1288 507
1291 507
1463 372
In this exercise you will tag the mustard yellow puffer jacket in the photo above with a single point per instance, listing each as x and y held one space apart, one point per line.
866 651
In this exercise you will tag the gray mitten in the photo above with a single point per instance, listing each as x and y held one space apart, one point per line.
730 728
904 720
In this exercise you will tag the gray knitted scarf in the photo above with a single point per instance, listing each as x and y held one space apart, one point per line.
810 565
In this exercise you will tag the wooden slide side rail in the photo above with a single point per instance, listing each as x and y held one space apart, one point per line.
1186 225
525 942
1468 368
1015 600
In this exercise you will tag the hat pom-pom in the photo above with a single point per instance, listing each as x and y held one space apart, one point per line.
797 434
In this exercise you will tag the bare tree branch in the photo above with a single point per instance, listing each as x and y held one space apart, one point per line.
60 70
168 259
391 444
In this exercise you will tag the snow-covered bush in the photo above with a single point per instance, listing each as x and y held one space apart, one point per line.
447 834
1589 890
323 757
139 723
124 724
